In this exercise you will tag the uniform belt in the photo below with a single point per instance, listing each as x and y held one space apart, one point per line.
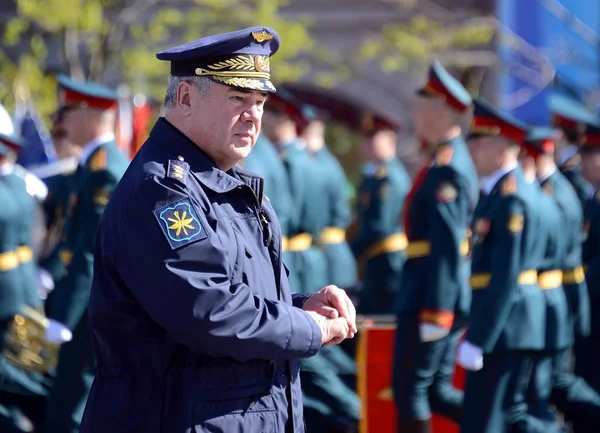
550 279
8 261
418 249
300 242
574 276
66 256
332 235
25 254
390 244
481 281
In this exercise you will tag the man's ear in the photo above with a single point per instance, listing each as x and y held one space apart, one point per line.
184 97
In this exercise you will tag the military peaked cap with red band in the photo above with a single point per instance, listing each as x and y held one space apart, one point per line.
591 135
286 103
489 121
441 85
568 114
10 143
86 94
372 123
540 141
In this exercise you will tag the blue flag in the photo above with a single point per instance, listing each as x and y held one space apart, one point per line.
38 148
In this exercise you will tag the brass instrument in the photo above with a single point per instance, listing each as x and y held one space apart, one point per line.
26 345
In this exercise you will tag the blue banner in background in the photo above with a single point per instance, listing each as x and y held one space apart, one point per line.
550 34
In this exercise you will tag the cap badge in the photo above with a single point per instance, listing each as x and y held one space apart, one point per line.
262 36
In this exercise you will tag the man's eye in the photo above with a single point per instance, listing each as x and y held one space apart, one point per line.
236 98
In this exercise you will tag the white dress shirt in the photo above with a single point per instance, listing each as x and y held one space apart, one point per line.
566 154
489 182
89 148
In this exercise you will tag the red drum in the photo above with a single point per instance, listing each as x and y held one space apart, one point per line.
374 359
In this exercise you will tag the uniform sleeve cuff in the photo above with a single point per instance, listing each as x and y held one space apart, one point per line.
305 338
298 299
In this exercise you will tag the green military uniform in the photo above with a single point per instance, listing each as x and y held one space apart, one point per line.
264 161
55 205
559 329
327 399
571 169
101 166
93 182
28 268
570 393
13 380
306 260
380 241
341 266
340 260
11 294
588 357
507 252
434 299
570 115
435 288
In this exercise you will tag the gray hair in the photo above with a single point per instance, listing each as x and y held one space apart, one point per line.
201 83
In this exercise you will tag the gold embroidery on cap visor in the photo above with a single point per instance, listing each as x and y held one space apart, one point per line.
248 72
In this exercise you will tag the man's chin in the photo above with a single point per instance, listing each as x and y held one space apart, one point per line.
241 151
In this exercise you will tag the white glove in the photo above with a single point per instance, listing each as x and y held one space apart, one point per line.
45 283
469 357
429 332
57 333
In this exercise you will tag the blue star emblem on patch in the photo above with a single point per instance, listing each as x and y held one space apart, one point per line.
180 223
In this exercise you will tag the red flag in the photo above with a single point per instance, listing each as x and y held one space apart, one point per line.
142 114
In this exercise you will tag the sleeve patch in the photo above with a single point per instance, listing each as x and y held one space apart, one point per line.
180 223
444 155
547 186
446 192
384 192
101 196
515 223
98 160
509 186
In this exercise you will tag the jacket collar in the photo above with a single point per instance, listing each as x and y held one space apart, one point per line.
178 146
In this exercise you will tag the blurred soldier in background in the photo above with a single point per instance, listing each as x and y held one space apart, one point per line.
264 161
305 261
506 255
588 356
18 285
567 314
89 121
571 117
433 301
328 402
341 266
380 241
57 177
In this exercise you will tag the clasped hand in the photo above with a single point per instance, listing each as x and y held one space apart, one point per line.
335 314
